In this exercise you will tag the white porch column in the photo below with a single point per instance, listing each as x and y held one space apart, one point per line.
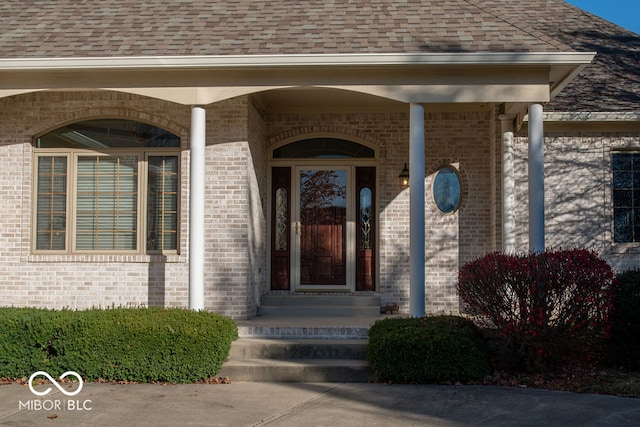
416 210
508 185
196 208
536 179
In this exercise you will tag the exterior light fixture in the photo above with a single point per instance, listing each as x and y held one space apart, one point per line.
404 177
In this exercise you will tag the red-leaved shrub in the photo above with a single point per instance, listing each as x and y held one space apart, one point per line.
550 308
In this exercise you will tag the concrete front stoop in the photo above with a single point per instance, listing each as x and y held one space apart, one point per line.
304 338
297 360
319 305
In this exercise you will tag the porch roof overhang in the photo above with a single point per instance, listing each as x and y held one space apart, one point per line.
517 77
587 121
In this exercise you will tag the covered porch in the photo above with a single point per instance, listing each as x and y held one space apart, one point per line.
292 97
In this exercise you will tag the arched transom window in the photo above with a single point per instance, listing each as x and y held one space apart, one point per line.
324 148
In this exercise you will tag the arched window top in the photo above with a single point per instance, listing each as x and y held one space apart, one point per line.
108 133
324 148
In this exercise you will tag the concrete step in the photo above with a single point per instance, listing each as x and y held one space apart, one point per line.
251 330
297 370
298 349
317 311
321 300
297 360
297 305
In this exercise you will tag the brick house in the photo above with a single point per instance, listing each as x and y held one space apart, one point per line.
205 154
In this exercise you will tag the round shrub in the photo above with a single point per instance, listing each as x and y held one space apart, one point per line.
624 348
552 308
432 349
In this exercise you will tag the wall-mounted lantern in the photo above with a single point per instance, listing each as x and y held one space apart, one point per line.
404 177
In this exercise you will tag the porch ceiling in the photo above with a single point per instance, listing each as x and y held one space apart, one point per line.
316 99
323 99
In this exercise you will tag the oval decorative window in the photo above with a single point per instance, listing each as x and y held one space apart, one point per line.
446 189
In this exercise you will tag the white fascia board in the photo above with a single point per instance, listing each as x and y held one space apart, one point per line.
593 116
590 116
289 61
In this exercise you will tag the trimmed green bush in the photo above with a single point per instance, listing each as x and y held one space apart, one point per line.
25 340
624 347
432 349
123 344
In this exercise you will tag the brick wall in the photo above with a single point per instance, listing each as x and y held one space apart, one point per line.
78 281
234 252
578 200
463 140
83 281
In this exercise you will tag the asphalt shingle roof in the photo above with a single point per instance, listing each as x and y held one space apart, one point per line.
78 28
612 81
246 27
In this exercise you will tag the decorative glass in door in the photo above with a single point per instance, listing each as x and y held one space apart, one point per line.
281 229
322 227
365 228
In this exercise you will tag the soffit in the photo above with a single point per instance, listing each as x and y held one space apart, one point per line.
424 78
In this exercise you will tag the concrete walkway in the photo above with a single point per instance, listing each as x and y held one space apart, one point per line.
310 404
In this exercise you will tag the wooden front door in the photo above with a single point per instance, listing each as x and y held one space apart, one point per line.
322 226
322 260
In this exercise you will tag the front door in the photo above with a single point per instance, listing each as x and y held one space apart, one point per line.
323 228
321 240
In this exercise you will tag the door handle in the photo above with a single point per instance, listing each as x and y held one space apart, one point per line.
298 228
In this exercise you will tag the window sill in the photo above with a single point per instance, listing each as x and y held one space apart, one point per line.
115 258
625 248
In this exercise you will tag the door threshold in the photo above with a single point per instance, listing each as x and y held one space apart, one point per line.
322 292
